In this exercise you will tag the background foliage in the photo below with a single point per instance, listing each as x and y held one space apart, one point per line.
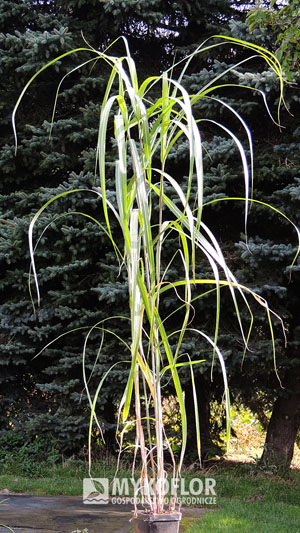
284 21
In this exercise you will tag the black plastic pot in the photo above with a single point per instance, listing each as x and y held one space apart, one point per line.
157 523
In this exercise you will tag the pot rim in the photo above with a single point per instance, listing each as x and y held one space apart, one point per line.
168 516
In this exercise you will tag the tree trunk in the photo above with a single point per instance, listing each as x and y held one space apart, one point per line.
208 448
284 423
110 426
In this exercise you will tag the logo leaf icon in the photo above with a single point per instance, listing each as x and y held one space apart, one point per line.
99 486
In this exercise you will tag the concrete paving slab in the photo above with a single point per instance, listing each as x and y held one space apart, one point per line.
63 514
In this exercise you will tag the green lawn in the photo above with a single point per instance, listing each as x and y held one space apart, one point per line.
55 479
249 500
236 515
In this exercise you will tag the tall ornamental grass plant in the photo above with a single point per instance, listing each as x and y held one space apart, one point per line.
149 120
